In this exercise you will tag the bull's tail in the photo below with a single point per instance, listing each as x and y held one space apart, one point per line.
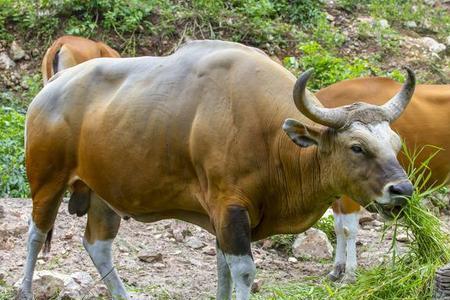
106 51
50 61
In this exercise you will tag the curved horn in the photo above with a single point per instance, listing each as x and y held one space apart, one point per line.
397 104
306 103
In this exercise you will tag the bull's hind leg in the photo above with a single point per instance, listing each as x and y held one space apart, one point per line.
234 247
102 227
46 201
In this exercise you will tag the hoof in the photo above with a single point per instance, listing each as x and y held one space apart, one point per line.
21 295
333 276
337 272
349 279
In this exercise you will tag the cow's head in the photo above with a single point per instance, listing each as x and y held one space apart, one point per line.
358 149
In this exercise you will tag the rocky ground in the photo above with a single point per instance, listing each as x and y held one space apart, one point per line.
164 260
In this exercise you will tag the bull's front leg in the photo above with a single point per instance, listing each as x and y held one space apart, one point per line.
234 262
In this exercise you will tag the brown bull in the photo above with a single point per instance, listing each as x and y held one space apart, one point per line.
68 51
198 136
426 121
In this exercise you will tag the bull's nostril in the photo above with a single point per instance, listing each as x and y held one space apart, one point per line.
402 189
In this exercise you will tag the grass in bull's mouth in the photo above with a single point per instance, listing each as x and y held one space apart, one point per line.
407 276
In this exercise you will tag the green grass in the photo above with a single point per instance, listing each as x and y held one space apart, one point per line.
12 169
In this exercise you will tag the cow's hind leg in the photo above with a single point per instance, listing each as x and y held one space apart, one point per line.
341 245
46 201
102 227
234 244
351 222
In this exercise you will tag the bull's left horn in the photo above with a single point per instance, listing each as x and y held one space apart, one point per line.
397 104
307 104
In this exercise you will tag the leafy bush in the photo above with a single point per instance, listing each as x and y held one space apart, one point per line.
283 242
326 224
13 181
328 68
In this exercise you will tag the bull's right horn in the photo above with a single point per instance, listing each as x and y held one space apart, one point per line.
397 104
309 105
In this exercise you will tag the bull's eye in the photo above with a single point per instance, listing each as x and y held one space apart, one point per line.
357 149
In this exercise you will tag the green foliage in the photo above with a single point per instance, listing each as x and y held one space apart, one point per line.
326 224
306 13
328 68
12 169
283 242
7 294
34 84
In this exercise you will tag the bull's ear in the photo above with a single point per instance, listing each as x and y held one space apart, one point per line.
301 134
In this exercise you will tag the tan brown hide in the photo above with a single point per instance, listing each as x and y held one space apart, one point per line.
68 51
426 121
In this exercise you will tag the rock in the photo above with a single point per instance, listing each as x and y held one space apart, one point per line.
13 227
267 244
330 17
16 52
2 212
180 231
194 243
329 3
376 223
403 238
365 217
383 23
410 24
209 251
78 287
430 2
150 258
35 52
365 19
51 284
431 44
6 62
292 259
256 286
312 244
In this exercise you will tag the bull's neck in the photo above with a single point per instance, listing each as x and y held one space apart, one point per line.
301 187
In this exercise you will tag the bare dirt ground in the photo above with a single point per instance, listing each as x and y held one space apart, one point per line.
181 272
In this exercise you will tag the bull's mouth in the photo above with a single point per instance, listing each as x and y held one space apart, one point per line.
388 212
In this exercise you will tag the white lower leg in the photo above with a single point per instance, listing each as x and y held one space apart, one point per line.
224 282
36 239
340 255
243 273
351 222
100 253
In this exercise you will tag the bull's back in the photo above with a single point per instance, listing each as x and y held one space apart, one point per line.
424 122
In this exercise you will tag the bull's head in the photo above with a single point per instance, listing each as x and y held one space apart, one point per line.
357 145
